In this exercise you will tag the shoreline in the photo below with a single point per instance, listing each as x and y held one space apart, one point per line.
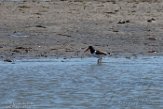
129 57
105 60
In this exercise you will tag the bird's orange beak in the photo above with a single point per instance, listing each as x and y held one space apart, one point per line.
86 50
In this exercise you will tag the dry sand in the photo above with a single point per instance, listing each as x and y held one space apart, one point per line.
64 28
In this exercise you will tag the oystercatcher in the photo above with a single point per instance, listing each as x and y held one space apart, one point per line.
96 53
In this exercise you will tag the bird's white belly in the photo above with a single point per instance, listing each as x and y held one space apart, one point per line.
95 55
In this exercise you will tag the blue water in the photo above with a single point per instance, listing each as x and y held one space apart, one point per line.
117 83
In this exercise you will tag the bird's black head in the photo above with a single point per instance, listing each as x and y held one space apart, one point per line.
90 47
92 50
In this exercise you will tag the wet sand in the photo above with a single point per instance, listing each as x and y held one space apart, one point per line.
34 29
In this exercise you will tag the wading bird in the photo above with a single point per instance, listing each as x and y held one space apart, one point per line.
96 53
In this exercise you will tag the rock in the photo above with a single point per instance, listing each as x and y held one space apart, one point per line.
152 51
7 60
152 38
124 21
151 20
40 26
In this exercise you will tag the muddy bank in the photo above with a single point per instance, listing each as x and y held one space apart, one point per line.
65 28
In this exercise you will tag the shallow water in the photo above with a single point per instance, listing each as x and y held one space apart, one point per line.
118 83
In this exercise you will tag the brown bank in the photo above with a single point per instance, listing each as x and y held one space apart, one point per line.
64 28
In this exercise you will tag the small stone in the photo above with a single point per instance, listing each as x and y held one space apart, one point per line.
151 38
40 26
7 60
152 51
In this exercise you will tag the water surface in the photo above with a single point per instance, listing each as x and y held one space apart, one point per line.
118 83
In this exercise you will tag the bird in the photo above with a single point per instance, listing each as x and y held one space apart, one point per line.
96 53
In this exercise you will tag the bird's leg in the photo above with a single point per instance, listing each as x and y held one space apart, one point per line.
99 60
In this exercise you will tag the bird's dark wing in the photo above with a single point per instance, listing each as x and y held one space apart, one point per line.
100 53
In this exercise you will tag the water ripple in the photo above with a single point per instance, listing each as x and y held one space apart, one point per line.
81 84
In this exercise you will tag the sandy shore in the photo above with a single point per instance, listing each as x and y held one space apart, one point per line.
65 28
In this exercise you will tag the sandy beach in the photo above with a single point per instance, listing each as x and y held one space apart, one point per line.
64 28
